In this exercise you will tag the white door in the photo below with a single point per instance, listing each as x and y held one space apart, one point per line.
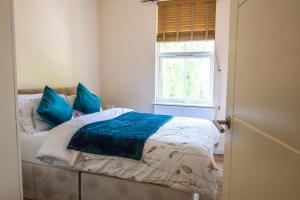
9 165
262 151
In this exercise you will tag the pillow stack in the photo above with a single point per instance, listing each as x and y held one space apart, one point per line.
40 112
55 110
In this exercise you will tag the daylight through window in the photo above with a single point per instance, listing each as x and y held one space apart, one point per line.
185 72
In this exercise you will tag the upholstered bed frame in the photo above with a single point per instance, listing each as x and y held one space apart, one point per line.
44 182
66 91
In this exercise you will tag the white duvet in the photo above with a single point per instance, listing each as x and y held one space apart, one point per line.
178 155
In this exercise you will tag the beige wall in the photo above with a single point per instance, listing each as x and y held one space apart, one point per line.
112 47
128 36
128 31
10 187
57 43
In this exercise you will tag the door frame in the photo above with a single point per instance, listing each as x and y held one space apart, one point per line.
11 50
234 12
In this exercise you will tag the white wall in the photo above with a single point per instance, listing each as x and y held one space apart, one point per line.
10 173
128 37
222 45
57 43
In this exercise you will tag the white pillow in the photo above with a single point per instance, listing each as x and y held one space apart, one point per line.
24 112
20 119
30 121
29 96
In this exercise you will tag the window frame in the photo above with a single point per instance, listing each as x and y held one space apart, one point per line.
158 79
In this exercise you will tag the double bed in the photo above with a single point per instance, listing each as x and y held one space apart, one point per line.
177 163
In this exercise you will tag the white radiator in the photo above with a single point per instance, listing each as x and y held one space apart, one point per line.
208 113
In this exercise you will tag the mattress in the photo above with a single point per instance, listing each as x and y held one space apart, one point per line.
30 145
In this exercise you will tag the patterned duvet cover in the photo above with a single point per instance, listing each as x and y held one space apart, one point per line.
179 155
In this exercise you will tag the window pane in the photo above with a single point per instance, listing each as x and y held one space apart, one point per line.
172 47
173 78
198 80
206 46
186 73
195 46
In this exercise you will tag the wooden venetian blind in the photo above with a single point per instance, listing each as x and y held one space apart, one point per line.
185 20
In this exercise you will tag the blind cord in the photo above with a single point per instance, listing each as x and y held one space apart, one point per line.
220 75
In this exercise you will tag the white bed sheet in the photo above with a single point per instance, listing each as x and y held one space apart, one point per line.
30 145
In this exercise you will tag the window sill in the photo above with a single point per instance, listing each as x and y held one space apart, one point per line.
185 105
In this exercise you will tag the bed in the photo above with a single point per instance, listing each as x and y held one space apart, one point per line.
88 176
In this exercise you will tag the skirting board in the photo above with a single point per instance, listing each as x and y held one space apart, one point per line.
42 182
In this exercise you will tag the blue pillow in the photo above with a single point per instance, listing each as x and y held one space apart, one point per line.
86 101
53 108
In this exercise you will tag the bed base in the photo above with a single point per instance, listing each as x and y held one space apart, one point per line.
49 183
42 182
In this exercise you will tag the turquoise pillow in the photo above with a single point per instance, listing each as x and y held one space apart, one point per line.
86 101
53 108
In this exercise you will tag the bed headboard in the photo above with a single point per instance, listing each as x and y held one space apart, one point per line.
67 91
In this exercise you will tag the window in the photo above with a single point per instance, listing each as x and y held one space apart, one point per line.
185 51
185 72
